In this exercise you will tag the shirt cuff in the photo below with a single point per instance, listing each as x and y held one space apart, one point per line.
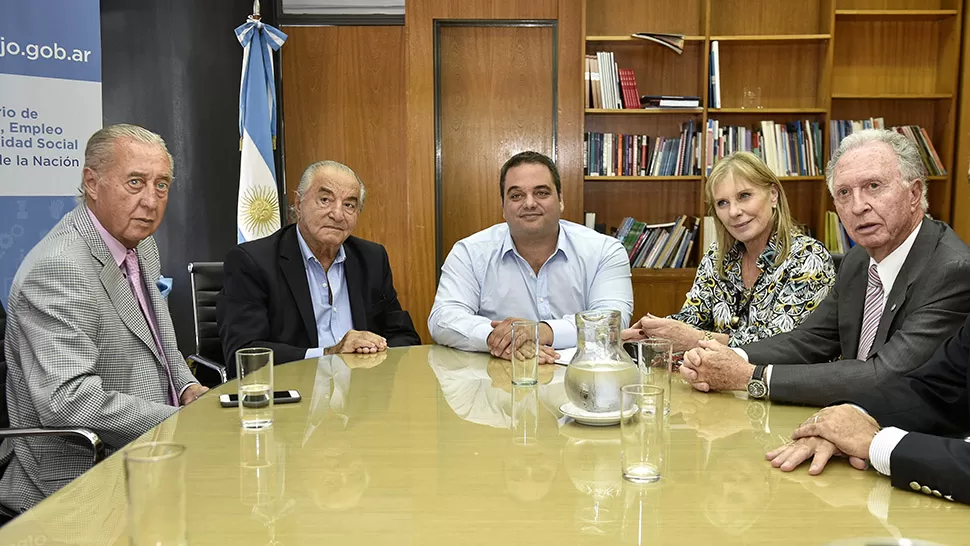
479 336
741 353
882 446
315 352
185 387
563 333
767 377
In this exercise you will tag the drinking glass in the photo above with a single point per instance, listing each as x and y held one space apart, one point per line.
525 352
642 435
525 414
654 356
255 387
155 479
751 99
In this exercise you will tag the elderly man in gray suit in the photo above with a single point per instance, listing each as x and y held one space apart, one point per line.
89 341
899 293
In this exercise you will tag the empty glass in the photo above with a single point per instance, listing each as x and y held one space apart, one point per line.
642 434
255 387
155 477
525 414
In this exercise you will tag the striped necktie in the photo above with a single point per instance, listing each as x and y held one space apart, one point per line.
871 313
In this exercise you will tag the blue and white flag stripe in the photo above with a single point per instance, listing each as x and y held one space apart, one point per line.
258 205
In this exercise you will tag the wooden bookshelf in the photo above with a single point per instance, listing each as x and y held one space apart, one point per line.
820 60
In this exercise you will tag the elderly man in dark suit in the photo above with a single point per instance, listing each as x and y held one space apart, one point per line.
90 342
911 428
311 288
901 291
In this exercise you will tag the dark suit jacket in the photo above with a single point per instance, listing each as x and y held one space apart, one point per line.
265 301
815 363
933 404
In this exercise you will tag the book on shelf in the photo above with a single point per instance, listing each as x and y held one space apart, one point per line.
709 234
674 41
613 154
715 75
669 101
836 238
590 220
788 149
628 87
604 89
841 128
658 246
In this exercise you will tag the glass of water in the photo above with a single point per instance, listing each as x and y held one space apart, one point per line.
642 434
654 357
255 387
525 352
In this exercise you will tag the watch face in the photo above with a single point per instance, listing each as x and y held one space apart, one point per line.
756 389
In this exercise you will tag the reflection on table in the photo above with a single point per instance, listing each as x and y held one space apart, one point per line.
426 445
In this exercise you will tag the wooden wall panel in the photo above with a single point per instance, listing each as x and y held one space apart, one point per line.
344 99
662 293
419 128
496 101
961 172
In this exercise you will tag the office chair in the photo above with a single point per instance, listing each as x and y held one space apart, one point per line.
207 279
837 260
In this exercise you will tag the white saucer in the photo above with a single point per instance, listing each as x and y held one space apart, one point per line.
583 417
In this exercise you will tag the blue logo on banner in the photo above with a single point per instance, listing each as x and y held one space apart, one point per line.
51 39
23 223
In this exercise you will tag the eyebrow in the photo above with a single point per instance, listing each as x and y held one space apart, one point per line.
139 174
322 189
539 187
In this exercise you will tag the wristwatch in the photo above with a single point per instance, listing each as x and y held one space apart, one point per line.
757 388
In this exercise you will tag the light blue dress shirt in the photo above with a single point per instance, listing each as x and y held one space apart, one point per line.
484 278
333 321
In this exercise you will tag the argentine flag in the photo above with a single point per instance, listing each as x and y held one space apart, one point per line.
258 209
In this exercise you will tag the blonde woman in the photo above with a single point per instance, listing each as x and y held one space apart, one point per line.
761 276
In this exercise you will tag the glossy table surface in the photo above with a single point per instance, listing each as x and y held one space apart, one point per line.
415 447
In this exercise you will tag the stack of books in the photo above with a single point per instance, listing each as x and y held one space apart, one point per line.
841 128
608 86
788 149
613 154
658 246
670 101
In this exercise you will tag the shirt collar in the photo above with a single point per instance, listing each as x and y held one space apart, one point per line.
118 250
308 256
508 245
767 255
891 265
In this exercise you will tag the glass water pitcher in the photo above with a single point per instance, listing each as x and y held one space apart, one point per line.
600 366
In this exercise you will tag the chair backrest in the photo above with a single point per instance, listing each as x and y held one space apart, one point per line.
207 279
837 260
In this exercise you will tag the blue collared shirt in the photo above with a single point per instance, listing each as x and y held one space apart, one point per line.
484 278
333 321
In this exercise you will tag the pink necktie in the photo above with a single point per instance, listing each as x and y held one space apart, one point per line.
872 313
134 279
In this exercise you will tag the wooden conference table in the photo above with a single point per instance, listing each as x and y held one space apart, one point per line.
415 447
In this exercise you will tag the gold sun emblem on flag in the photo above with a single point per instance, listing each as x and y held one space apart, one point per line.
261 211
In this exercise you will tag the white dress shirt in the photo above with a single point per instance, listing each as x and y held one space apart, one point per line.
484 278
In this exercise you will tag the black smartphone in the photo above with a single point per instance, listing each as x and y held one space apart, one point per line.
279 397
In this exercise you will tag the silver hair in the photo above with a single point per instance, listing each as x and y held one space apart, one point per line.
100 149
306 179
911 166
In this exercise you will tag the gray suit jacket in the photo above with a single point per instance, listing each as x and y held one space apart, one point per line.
80 354
930 299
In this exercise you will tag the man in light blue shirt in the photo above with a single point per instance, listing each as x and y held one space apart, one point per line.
535 266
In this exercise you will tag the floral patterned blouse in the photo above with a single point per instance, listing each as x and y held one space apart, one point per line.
778 301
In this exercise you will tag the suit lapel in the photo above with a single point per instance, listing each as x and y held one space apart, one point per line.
855 299
919 254
353 274
114 282
294 271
